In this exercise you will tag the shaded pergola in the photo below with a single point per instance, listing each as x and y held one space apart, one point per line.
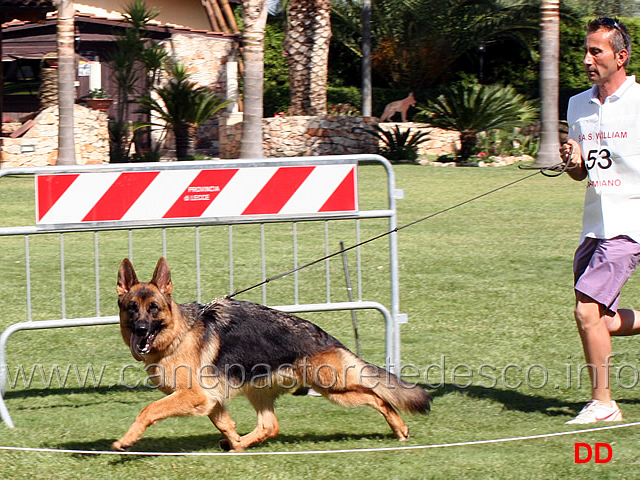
26 10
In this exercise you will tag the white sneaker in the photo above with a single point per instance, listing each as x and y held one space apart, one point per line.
594 411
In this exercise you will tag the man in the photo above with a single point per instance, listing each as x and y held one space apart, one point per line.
604 146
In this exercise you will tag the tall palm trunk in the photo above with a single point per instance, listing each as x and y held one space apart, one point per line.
48 91
254 13
66 82
306 48
367 100
549 82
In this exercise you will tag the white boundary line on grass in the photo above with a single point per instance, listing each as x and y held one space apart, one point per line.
316 452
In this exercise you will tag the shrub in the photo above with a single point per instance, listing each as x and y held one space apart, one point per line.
399 146
180 105
97 93
344 109
471 108
507 142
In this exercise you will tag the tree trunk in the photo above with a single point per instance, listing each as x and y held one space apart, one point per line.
549 83
48 91
468 141
184 141
306 48
66 82
254 13
367 100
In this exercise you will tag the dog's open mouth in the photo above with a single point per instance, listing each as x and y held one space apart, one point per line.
141 340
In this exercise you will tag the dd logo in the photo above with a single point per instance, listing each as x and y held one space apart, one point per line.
589 452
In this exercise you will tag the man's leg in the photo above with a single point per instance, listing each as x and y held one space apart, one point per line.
624 323
601 268
596 343
596 324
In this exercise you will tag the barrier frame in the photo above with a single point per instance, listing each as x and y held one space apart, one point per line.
392 316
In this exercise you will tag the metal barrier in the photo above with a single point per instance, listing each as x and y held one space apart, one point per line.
126 198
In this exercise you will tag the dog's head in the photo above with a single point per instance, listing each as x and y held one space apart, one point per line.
146 318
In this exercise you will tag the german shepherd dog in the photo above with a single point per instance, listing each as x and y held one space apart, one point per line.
201 356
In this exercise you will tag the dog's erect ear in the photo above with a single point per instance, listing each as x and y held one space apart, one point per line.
126 277
162 277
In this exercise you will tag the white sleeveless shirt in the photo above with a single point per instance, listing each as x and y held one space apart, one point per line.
609 137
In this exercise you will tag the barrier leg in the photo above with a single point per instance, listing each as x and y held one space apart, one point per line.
39 325
4 413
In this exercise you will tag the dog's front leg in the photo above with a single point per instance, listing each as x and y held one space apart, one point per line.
178 404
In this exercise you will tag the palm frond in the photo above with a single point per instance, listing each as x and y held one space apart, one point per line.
474 108
398 145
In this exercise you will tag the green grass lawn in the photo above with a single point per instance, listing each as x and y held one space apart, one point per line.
488 291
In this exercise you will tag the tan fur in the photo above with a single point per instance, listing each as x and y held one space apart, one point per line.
399 106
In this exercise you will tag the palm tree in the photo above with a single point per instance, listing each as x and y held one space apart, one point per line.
254 15
66 82
48 90
133 58
180 105
416 42
306 47
549 82
367 90
473 108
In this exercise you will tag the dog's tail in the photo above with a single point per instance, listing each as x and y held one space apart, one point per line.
403 396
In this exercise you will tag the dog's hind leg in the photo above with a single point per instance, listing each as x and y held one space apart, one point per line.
223 422
341 377
267 426
363 396
267 423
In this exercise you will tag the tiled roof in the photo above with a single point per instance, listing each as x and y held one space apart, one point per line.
115 18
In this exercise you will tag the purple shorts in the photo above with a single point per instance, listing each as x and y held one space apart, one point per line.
602 267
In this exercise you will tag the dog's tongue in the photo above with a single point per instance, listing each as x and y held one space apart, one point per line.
134 344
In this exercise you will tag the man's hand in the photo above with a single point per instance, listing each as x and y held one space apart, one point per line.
571 154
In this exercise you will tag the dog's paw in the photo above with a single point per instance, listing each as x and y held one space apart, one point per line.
226 446
121 445
403 435
118 446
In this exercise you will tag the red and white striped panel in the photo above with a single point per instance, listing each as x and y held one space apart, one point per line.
165 194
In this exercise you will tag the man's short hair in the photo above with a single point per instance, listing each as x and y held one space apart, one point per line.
620 40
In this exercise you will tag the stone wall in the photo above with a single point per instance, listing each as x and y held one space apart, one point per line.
282 137
439 142
326 135
205 57
38 146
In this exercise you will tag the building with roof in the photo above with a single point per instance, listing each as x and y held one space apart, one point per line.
185 29
201 34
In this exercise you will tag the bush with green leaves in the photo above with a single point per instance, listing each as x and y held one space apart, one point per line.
344 109
398 145
97 93
516 142
471 108
180 105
